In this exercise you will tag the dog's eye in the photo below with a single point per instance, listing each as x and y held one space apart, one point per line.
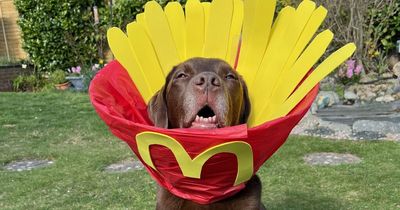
230 76
181 76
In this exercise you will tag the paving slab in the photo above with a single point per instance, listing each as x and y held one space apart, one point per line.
331 159
125 166
27 165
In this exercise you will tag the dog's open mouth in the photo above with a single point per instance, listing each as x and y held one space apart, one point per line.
205 119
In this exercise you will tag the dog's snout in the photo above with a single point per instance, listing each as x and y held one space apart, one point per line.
207 79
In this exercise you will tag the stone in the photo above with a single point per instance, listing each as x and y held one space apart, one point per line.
125 166
387 75
320 131
396 106
350 95
369 135
396 69
368 96
329 97
340 131
328 83
9 126
389 91
393 60
393 137
27 165
331 159
396 89
368 78
308 122
382 127
314 108
385 99
313 126
322 102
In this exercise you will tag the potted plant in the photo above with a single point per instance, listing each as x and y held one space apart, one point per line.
58 79
76 78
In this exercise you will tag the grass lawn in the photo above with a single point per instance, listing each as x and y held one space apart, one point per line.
64 127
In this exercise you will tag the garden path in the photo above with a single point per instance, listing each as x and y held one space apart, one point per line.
374 121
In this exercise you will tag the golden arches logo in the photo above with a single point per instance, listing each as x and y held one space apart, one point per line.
192 167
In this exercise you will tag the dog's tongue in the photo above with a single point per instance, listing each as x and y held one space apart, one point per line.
204 123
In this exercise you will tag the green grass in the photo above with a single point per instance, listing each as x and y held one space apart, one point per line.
64 127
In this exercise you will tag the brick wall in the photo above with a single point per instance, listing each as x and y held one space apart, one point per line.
8 74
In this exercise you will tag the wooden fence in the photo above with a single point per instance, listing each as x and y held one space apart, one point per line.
10 34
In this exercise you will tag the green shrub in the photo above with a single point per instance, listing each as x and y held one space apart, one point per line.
125 11
58 34
57 77
385 28
27 83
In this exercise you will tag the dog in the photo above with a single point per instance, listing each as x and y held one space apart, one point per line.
204 93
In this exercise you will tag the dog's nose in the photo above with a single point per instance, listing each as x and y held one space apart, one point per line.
207 79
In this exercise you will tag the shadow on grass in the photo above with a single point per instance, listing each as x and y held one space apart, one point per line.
304 200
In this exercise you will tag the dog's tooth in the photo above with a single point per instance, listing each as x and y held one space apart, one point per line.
197 118
214 118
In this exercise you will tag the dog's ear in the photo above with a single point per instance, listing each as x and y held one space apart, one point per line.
246 105
157 109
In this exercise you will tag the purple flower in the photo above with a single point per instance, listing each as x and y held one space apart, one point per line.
78 69
351 64
75 70
349 73
350 67
358 69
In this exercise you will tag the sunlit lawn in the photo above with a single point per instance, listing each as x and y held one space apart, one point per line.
64 127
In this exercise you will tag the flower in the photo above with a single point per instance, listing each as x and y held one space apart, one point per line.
359 69
75 70
351 63
96 67
350 68
349 73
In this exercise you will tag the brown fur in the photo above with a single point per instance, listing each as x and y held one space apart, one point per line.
189 87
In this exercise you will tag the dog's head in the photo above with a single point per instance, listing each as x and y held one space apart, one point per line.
201 93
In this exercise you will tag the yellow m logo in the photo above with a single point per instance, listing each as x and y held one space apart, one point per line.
192 167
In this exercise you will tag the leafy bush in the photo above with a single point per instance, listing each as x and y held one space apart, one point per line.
58 33
384 27
125 11
57 77
28 83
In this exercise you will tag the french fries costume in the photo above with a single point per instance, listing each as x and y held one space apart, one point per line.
274 56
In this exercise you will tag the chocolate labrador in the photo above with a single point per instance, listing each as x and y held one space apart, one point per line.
204 93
